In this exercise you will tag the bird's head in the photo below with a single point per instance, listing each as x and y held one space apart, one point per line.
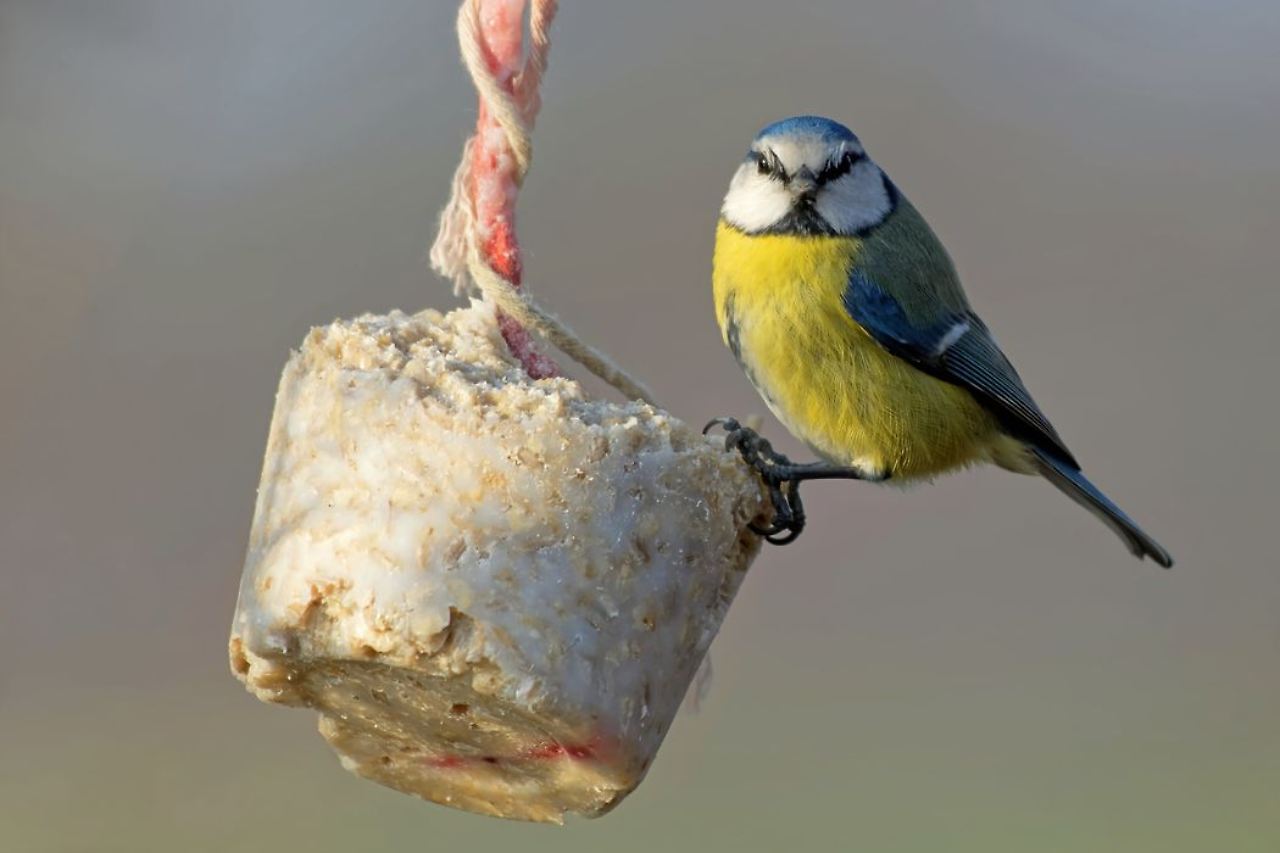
807 175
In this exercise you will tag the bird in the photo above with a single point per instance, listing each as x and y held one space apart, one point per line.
846 313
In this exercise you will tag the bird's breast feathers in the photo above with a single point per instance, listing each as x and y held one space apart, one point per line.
780 304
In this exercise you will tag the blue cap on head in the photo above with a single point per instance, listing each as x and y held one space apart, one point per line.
823 128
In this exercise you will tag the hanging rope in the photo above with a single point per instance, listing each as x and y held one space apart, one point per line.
476 245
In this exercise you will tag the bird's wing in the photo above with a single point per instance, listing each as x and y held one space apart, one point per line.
957 348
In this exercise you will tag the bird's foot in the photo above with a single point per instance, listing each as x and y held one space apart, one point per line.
781 477
773 467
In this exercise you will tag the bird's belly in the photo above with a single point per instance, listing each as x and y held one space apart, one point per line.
853 402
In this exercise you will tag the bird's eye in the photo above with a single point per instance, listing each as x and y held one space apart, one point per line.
762 164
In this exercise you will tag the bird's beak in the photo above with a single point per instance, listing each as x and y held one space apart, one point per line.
803 183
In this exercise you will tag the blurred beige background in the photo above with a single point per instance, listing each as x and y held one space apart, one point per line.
186 187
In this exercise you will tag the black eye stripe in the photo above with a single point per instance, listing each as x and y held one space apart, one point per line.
767 163
839 168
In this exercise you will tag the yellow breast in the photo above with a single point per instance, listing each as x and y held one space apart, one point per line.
779 303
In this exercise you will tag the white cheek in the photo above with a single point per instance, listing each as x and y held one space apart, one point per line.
754 201
857 201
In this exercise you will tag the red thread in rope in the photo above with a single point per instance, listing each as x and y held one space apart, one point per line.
493 174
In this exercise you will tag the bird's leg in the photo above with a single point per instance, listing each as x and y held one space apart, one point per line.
781 477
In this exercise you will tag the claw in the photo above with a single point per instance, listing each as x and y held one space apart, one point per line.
781 477
792 535
730 425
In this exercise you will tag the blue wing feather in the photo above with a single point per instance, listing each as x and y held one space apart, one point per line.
957 348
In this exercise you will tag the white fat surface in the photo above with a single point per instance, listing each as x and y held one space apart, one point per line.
414 472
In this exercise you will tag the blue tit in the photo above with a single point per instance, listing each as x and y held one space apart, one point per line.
846 313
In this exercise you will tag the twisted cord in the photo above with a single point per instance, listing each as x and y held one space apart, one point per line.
513 104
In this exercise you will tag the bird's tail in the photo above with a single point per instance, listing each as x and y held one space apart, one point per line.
1074 485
